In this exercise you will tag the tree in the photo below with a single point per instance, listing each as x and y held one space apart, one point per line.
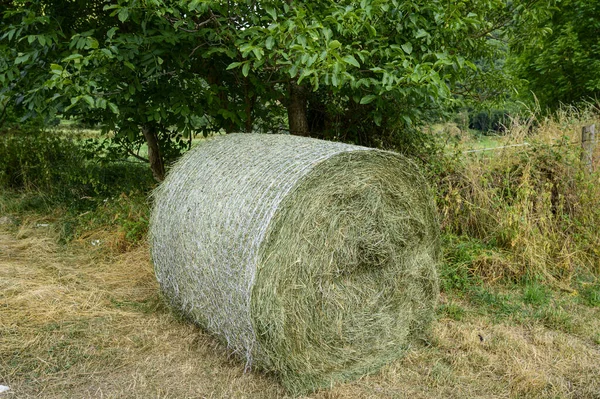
114 65
160 71
562 66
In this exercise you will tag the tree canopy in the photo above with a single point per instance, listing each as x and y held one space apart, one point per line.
562 66
161 71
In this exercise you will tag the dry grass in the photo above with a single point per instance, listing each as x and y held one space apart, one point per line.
81 323
533 204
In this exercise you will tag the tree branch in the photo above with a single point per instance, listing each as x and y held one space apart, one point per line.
503 23
197 25
133 154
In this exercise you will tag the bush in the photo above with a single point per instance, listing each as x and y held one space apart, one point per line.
34 160
534 208
64 169
48 173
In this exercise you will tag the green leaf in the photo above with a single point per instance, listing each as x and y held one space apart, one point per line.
372 30
56 68
194 4
89 99
246 69
471 65
72 57
334 80
233 65
106 52
301 40
111 32
101 103
123 14
407 47
269 42
368 99
421 33
258 53
334 44
10 34
272 12
293 70
22 59
377 119
92 43
351 60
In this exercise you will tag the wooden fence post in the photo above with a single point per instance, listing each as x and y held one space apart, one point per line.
588 142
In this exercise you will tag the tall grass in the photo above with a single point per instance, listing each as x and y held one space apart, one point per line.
534 209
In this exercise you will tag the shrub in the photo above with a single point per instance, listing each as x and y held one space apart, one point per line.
64 169
534 207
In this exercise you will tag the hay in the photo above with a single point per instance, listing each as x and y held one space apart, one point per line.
312 259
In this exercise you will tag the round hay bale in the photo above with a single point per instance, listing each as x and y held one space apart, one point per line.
312 259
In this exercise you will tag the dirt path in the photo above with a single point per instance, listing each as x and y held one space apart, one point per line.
77 323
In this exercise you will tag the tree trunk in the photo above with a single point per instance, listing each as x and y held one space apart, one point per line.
297 110
154 156
249 100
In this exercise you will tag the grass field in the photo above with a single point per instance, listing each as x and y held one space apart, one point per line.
81 314
84 320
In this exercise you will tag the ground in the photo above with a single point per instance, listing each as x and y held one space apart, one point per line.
82 321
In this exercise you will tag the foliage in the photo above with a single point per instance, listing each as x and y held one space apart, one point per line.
460 253
63 169
532 208
493 121
562 66
178 68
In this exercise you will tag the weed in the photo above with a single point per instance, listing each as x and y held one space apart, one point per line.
460 254
531 209
590 293
452 311
536 294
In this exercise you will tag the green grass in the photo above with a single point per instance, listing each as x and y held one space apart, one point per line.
459 255
452 310
526 303
536 294
590 294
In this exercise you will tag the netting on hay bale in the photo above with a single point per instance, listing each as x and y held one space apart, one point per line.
315 260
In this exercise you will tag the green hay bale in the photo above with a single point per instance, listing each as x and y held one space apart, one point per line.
311 259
